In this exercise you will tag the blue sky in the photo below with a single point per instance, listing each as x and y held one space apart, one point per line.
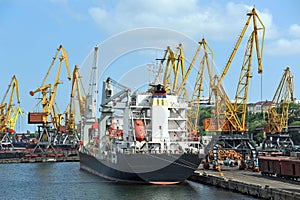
31 31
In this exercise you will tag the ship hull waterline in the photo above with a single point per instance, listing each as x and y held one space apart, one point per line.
174 172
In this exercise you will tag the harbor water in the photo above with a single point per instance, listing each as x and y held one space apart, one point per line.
64 180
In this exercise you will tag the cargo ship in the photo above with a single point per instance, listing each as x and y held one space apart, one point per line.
140 137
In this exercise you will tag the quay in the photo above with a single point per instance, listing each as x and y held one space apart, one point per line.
30 157
249 183
40 159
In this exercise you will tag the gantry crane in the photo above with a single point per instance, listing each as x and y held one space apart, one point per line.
231 117
277 136
48 91
6 110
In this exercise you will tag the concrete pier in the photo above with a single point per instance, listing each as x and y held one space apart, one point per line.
40 159
250 183
25 156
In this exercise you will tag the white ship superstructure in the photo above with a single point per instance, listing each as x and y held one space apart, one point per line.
141 137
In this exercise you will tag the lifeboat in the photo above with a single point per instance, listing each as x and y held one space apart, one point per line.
140 130
115 132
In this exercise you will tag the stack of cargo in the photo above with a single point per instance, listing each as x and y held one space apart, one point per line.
226 155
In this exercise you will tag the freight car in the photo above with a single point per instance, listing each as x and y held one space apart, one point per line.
280 166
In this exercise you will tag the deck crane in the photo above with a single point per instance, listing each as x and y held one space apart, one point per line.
231 118
48 115
6 110
277 136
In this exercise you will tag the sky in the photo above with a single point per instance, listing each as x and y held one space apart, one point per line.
131 34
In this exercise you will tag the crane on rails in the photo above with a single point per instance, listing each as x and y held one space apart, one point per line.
6 109
277 136
230 117
49 114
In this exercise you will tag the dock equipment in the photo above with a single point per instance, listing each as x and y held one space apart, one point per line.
276 133
50 119
230 118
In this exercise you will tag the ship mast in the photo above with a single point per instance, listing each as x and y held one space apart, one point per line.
89 120
93 85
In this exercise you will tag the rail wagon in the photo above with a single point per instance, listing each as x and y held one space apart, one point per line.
283 167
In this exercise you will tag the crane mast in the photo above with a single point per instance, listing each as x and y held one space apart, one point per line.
89 117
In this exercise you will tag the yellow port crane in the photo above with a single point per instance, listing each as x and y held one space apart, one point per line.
6 107
279 106
232 116
79 89
49 93
49 114
193 113
278 112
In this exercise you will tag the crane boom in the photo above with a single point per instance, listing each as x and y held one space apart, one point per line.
252 15
64 55
181 86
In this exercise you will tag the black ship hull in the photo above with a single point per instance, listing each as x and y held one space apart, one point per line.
143 168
